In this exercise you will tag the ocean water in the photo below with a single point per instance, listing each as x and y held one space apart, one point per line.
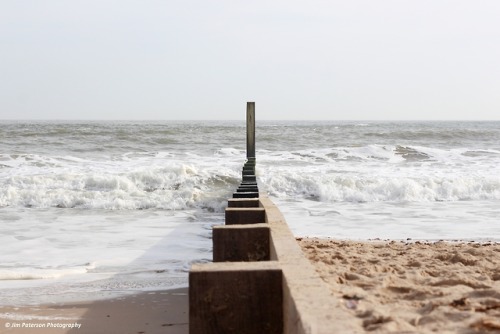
97 209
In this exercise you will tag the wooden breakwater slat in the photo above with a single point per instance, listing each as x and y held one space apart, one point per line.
235 297
245 216
243 203
241 243
247 189
252 194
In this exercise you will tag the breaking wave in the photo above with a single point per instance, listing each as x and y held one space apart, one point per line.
185 179
351 188
176 186
375 173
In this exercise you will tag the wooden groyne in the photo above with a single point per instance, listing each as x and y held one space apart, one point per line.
259 280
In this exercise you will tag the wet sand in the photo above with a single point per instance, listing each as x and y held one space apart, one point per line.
143 313
413 287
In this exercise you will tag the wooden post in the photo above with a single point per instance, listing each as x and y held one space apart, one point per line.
243 202
245 215
236 297
248 187
250 129
235 243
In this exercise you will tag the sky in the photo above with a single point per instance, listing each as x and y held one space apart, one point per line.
203 60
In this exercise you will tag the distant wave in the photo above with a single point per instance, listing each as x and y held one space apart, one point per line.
383 153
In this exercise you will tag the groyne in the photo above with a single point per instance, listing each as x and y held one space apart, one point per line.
259 281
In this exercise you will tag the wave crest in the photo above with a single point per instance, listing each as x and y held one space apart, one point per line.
329 188
175 187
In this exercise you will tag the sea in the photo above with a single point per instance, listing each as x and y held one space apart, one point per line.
97 209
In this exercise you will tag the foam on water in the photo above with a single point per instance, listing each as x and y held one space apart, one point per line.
375 173
63 253
141 183
453 221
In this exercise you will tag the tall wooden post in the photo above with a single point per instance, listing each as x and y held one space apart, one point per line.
248 187
250 129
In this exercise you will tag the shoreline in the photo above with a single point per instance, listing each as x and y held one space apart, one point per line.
387 286
412 286
163 311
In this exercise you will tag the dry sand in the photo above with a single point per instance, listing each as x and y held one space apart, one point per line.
164 312
413 287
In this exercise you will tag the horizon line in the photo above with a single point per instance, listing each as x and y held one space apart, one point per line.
238 120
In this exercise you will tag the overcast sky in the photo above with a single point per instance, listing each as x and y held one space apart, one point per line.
337 60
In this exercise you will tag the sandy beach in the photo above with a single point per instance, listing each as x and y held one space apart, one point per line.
413 287
142 313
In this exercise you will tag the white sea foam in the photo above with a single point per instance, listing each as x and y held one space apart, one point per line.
174 186
31 273
53 253
355 188
375 173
